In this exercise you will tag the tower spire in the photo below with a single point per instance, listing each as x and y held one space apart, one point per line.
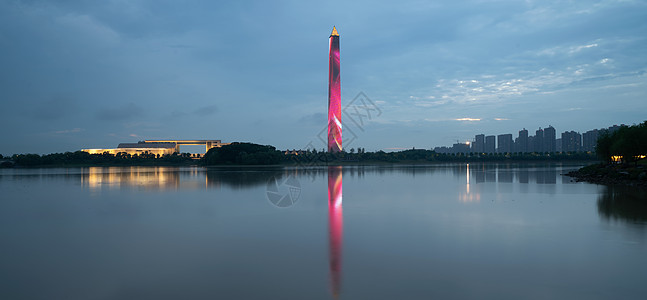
334 32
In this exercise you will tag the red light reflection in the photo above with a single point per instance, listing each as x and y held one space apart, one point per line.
335 226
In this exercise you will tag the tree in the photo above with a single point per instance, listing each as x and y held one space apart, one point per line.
629 142
603 147
243 154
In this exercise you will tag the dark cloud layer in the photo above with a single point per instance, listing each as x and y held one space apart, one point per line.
200 67
125 112
206 110
49 110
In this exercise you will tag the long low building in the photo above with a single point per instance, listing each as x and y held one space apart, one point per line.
161 147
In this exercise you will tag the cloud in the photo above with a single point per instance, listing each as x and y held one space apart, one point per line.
206 110
582 47
490 89
73 130
53 109
567 50
420 98
313 119
501 119
443 61
468 119
88 27
176 114
124 112
436 103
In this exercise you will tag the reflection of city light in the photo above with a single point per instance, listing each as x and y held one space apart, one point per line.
115 177
335 226
468 196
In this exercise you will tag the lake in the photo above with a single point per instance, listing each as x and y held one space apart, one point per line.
484 231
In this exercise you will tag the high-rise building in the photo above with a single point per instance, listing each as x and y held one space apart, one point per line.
538 141
505 143
549 139
590 140
522 141
571 141
334 94
478 146
443 150
531 143
461 148
544 141
490 144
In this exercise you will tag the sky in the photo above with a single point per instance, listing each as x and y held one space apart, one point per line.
93 74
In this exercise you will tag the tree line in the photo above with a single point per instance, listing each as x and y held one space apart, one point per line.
423 155
82 158
255 154
628 142
243 154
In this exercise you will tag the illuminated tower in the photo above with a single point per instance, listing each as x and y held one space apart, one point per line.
334 95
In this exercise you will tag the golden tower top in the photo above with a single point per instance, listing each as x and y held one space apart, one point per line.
334 32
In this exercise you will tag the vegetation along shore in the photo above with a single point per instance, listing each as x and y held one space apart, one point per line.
623 153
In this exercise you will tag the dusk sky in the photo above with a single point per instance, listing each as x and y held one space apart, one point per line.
92 74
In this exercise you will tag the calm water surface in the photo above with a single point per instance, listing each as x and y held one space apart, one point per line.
389 232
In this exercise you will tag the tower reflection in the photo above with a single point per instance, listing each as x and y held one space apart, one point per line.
335 226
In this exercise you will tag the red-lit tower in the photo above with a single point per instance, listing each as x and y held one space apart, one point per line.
334 95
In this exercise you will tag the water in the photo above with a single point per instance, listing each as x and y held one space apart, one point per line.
387 232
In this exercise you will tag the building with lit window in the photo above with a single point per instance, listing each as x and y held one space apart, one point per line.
590 140
156 147
571 141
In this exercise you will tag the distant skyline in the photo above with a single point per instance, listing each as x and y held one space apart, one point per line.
547 139
95 74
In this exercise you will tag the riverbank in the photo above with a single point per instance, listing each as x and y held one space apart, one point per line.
616 174
198 163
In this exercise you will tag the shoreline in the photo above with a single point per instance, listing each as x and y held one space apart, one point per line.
306 165
606 174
